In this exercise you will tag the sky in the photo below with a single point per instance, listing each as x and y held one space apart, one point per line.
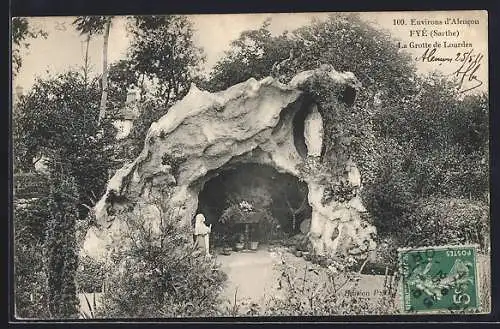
64 48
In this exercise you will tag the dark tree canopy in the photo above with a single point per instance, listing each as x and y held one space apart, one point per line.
252 55
60 115
162 49
90 24
122 77
345 41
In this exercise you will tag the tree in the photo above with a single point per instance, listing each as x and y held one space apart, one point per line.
60 114
122 77
162 61
60 242
343 40
433 148
90 25
253 54
162 49
30 279
21 31
57 121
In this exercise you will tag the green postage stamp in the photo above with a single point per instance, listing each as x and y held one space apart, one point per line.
439 279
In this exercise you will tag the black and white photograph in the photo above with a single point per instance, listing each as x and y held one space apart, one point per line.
250 165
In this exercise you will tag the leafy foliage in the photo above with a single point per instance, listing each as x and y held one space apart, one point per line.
437 221
344 41
60 115
163 50
31 294
159 273
162 61
449 221
60 244
89 275
90 24
122 77
57 120
252 55
21 31
434 148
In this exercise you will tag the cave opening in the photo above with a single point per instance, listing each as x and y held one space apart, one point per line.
272 204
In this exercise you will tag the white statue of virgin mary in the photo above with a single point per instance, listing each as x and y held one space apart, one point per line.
313 132
201 234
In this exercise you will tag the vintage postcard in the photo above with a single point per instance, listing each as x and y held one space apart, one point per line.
250 165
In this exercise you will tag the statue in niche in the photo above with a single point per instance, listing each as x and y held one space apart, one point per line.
313 132
202 234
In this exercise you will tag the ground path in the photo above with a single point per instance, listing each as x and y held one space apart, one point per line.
252 275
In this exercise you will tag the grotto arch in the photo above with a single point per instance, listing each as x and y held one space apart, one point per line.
280 195
264 122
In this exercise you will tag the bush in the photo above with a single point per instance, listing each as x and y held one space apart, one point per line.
59 116
30 280
44 257
61 259
89 275
435 222
318 291
438 221
158 273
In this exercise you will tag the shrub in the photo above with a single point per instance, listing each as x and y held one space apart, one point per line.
89 276
60 245
30 280
158 273
59 115
439 221
317 291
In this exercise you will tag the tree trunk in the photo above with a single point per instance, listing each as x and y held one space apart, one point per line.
86 67
104 95
141 89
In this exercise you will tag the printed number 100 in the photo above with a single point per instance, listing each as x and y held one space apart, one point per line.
399 21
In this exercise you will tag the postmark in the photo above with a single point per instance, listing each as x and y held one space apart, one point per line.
441 279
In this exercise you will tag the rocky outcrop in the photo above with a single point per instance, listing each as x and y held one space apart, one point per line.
263 122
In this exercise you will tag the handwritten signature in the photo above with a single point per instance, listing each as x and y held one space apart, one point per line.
467 71
469 63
